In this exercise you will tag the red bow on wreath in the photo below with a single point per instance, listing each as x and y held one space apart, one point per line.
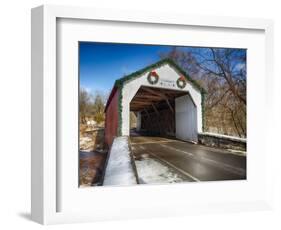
182 78
153 73
153 77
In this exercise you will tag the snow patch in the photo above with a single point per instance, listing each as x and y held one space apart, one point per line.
119 170
85 140
238 152
86 144
224 136
151 171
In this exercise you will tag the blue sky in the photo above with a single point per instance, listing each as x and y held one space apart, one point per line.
102 63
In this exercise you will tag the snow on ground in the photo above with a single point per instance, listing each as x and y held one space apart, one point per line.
86 144
224 136
237 152
119 170
151 171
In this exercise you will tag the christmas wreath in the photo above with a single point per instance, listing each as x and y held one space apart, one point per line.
152 78
181 82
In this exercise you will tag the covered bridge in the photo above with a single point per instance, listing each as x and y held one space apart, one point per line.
165 99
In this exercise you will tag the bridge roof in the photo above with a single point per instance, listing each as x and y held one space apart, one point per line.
120 82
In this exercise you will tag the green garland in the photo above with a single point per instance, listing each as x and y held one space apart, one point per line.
120 108
120 83
203 110
154 74
136 74
183 83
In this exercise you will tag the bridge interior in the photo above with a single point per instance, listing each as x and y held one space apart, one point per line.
155 109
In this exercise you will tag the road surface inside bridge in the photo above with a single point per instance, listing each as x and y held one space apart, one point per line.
162 160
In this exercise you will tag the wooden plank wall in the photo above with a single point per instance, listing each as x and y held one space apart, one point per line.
158 123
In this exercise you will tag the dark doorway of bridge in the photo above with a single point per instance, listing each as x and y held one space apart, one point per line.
162 112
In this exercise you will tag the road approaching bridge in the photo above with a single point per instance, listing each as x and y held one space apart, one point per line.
187 161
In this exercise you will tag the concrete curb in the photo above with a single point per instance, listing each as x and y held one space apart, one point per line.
133 161
222 141
120 166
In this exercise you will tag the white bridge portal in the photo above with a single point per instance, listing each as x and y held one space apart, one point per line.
165 99
186 119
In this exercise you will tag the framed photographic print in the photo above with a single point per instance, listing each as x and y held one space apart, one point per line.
138 114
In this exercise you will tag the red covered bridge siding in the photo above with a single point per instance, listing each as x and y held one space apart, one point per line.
166 100
111 118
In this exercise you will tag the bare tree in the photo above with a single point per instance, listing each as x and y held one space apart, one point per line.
223 73
98 107
92 106
84 104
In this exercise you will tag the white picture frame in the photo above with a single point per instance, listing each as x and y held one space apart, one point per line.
46 164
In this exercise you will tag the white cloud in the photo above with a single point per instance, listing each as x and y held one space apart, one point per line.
240 66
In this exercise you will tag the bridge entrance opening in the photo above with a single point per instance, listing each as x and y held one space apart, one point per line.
164 112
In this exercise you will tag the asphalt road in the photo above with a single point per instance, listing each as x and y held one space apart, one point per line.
191 161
